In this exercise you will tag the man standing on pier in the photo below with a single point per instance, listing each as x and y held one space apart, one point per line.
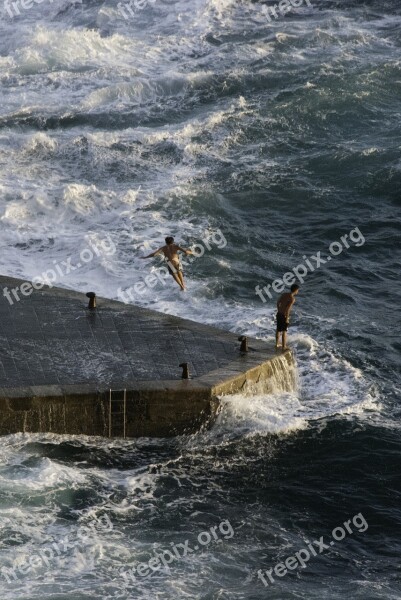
284 306
170 252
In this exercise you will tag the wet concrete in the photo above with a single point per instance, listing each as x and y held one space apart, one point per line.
59 361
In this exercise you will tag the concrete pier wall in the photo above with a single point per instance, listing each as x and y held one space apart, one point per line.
89 414
59 361
158 409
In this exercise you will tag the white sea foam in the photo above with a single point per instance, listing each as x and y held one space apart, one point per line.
47 474
328 387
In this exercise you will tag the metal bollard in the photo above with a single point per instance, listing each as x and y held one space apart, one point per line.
185 371
244 343
92 300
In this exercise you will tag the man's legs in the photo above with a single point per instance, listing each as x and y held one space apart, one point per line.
181 278
175 271
284 339
178 280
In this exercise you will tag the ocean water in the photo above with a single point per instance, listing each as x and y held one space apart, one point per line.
263 143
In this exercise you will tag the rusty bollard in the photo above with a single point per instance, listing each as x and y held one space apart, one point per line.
185 371
92 300
244 343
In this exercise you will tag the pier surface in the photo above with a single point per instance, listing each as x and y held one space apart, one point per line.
59 360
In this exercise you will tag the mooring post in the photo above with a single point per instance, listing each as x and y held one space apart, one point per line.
244 343
92 300
185 371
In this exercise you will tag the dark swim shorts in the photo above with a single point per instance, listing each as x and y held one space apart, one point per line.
282 324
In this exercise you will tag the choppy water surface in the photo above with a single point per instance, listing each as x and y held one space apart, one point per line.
190 118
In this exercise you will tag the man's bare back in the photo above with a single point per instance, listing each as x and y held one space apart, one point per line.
170 251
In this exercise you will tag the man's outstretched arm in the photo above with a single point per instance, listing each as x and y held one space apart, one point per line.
153 253
183 250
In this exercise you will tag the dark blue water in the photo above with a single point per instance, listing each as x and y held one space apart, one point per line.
194 117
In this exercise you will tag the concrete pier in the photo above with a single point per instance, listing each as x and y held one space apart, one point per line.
59 361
